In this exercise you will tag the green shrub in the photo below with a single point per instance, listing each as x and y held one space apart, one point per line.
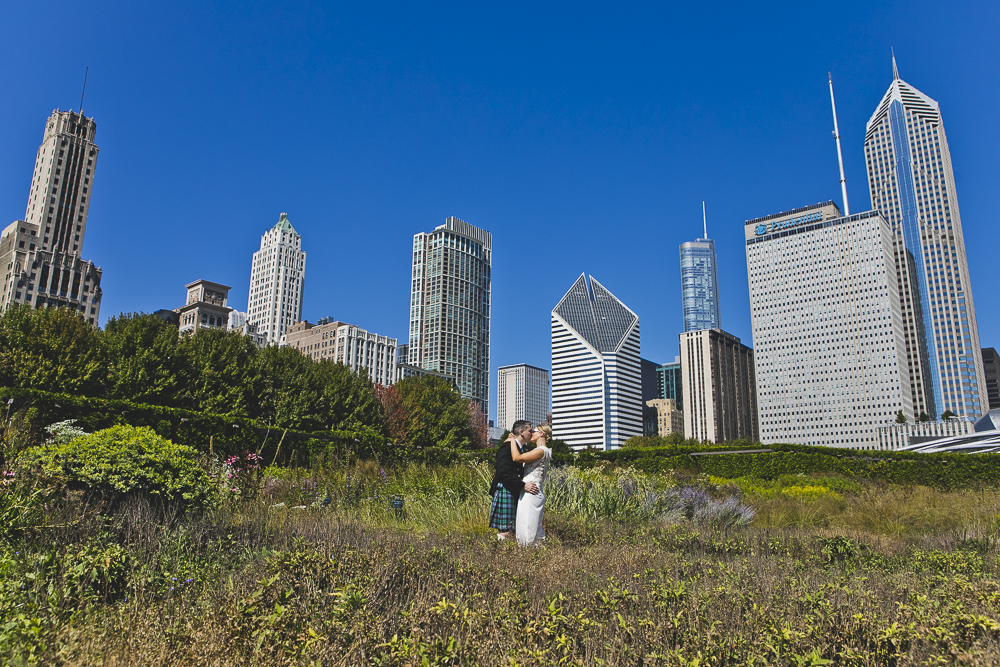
125 460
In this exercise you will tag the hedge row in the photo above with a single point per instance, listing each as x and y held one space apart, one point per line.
218 434
944 471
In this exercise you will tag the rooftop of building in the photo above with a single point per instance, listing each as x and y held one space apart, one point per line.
795 211
208 283
284 224
522 366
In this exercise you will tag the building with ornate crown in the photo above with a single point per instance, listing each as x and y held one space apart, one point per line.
277 281
40 255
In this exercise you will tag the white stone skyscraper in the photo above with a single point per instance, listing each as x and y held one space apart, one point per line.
911 182
596 371
277 279
827 328
40 255
450 306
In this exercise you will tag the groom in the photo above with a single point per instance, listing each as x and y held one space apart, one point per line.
506 486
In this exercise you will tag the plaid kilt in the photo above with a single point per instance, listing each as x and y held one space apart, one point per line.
502 512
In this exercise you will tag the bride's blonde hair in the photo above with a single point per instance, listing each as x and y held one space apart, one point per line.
546 431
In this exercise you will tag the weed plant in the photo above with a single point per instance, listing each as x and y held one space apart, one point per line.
314 567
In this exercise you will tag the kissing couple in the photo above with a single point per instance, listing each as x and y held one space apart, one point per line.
518 499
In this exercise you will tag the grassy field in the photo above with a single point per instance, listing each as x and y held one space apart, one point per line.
312 567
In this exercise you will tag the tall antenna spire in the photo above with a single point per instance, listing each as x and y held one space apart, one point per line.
895 72
840 155
85 73
704 220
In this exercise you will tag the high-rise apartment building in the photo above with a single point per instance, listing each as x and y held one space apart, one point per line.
596 373
720 395
991 373
346 344
40 255
827 327
700 285
522 393
277 280
450 306
912 184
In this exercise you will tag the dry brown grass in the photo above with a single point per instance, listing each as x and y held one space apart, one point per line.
888 576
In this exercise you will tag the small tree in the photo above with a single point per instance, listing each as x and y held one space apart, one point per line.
900 417
479 426
924 417
947 414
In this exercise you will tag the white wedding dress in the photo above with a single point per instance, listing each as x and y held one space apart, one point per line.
528 524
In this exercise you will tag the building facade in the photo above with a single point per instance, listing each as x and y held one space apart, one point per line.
667 417
720 394
900 436
596 373
827 327
277 281
991 373
700 285
522 393
205 307
238 322
346 344
450 306
912 183
404 371
669 382
40 255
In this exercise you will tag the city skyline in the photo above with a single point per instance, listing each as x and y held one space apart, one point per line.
550 174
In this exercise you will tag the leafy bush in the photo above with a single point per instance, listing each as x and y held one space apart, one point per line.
127 460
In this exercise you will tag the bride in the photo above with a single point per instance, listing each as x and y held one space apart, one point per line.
528 521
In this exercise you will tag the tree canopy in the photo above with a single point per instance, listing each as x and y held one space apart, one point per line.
140 358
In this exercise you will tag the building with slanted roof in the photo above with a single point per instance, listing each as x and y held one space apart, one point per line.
596 371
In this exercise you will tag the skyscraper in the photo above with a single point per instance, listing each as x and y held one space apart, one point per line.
991 373
912 184
522 393
669 383
41 254
450 306
827 330
596 373
720 396
700 283
277 280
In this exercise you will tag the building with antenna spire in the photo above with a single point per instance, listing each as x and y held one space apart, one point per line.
700 282
912 184
40 255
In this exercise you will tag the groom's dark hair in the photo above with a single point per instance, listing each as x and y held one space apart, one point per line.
519 426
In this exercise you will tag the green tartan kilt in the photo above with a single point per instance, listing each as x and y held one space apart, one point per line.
502 512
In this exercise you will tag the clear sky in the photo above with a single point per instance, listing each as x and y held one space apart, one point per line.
583 136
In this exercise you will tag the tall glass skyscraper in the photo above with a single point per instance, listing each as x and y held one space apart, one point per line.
450 306
912 184
700 285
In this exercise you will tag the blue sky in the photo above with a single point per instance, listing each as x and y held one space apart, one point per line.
583 136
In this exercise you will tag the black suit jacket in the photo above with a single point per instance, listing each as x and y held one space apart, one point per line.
507 472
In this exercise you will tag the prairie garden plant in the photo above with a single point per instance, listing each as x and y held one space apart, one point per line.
311 564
